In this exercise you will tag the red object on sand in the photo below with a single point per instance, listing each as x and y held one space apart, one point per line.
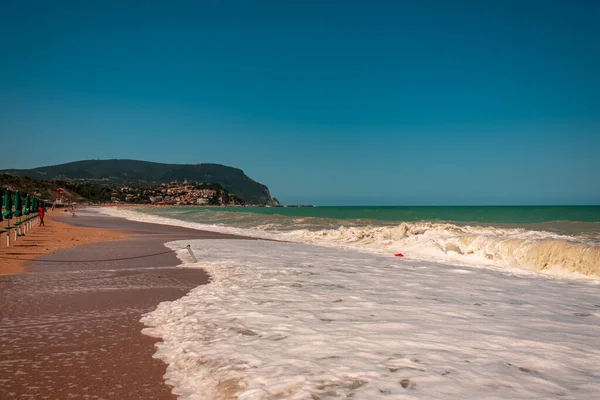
60 190
399 255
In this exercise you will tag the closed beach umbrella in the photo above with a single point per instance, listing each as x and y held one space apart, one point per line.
18 205
8 204
34 204
27 209
1 204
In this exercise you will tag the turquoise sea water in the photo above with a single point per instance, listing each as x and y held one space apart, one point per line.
485 214
571 220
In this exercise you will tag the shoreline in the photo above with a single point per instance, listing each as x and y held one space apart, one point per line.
73 329
41 241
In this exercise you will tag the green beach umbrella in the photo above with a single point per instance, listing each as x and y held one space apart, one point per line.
27 209
18 205
34 204
8 205
1 204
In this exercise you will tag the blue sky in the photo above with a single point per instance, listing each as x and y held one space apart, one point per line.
325 102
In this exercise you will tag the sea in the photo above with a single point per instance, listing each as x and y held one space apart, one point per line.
384 303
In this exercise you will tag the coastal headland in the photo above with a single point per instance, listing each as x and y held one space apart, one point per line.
133 181
69 326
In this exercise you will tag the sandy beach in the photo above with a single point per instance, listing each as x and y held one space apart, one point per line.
52 237
71 329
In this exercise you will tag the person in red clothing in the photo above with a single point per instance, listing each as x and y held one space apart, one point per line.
41 213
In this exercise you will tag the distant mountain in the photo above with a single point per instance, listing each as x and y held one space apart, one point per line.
145 173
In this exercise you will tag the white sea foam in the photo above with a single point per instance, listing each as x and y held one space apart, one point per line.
295 321
545 252
476 246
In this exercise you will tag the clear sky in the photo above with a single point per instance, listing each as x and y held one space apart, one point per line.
325 102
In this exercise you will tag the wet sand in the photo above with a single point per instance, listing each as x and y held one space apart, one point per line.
72 330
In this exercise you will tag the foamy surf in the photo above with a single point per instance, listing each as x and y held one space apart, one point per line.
512 248
515 249
287 320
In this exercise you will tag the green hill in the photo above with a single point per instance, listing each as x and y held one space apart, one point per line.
146 174
46 190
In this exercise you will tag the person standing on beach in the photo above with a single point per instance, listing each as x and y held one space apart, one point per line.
41 213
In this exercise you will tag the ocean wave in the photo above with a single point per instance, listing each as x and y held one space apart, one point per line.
445 242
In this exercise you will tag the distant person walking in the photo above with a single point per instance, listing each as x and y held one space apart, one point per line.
41 214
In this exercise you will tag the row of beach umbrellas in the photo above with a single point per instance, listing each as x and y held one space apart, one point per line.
15 206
